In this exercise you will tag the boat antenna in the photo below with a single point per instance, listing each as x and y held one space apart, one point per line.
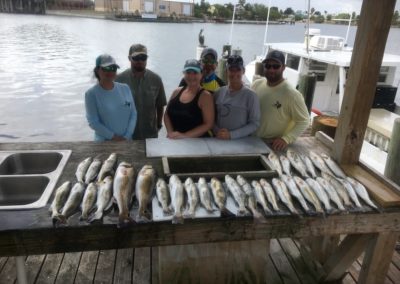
233 20
348 29
308 27
266 29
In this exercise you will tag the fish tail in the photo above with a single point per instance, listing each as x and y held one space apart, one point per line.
258 217
267 211
83 217
177 218
98 215
167 210
143 216
226 213
59 219
124 220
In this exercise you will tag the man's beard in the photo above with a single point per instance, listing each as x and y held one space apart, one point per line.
139 68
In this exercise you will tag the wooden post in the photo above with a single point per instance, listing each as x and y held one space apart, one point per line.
392 168
365 64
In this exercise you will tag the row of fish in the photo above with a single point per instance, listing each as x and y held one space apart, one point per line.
317 192
99 186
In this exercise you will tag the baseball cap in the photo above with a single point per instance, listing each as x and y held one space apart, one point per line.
105 60
234 61
207 51
137 49
275 55
192 65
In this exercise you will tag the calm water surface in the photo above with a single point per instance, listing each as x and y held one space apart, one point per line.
46 64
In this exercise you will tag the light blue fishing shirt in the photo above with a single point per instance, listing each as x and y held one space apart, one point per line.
110 112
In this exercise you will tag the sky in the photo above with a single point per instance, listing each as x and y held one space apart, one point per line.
331 6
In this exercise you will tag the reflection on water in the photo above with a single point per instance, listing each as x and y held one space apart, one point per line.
46 64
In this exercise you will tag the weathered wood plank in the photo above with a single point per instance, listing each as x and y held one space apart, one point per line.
3 261
33 266
69 266
50 268
347 252
272 273
282 264
154 265
142 266
392 167
393 272
323 246
355 270
295 258
87 267
105 267
396 259
348 279
377 258
359 94
9 273
226 262
123 266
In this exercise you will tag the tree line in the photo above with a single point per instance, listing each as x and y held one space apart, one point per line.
259 12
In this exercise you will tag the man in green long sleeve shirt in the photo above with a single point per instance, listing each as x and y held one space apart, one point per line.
284 115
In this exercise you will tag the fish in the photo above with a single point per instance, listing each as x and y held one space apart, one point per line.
252 205
205 195
123 191
193 196
270 194
333 166
284 194
163 196
309 166
297 162
71 205
285 164
352 193
361 191
276 164
93 170
260 197
238 195
104 198
294 191
319 163
341 190
333 195
308 193
176 188
89 199
144 191
320 192
107 169
219 196
82 169
60 197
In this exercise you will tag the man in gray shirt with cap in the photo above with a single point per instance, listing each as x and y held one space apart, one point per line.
148 93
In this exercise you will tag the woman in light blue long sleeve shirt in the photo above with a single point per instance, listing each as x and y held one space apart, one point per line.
110 109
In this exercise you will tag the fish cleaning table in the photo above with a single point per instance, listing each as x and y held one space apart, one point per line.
28 232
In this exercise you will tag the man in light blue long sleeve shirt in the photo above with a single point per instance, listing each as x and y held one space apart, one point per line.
238 108
110 109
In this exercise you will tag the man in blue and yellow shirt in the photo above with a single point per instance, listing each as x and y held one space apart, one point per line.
209 60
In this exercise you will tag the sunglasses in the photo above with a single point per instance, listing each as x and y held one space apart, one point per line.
141 57
111 68
273 66
209 61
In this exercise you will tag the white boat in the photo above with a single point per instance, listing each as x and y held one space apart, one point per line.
329 59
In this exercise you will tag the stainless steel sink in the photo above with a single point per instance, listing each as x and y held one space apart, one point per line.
28 178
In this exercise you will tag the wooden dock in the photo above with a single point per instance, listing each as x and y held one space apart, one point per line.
140 265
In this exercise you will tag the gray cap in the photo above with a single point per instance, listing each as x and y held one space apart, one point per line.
235 61
192 65
207 51
275 55
105 60
137 49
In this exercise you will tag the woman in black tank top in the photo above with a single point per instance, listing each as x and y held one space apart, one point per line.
190 111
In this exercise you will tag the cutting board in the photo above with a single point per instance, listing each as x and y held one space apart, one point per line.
165 147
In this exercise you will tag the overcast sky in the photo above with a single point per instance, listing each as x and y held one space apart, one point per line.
331 6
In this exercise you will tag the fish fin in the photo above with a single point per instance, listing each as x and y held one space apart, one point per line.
177 219
226 213
97 216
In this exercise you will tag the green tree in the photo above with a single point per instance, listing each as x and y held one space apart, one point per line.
288 11
319 19
395 18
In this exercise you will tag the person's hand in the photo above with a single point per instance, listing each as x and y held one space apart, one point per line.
278 144
175 135
118 138
223 133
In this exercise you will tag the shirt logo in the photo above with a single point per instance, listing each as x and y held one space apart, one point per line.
128 104
277 104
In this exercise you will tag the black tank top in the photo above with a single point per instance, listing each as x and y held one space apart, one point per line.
185 116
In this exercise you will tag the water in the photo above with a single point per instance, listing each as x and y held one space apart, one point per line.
46 64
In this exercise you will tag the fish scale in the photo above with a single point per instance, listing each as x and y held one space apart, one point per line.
320 192
237 193
361 191
333 195
296 162
308 193
104 198
176 187
284 194
193 196
294 191
270 194
163 196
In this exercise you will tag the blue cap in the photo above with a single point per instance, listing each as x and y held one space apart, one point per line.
192 65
